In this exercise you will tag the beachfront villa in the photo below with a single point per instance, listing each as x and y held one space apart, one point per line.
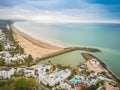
6 73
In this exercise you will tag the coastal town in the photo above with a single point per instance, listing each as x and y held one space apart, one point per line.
19 72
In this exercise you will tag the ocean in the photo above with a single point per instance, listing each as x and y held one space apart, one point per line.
104 36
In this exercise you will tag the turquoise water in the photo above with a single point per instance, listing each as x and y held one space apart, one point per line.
99 35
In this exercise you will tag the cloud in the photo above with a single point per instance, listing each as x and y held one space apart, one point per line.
59 11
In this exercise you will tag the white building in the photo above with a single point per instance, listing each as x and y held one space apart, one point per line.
7 26
29 72
66 85
1 32
94 62
6 72
7 46
53 78
21 57
47 77
21 68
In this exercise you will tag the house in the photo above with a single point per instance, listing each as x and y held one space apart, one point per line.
94 62
29 72
93 75
21 56
8 27
80 85
83 67
110 81
5 54
66 85
21 69
6 73
7 46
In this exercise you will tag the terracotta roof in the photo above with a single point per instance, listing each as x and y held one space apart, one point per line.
80 85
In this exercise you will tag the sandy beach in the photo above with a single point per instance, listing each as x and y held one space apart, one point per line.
36 48
94 68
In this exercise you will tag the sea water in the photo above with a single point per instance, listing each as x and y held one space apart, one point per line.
104 36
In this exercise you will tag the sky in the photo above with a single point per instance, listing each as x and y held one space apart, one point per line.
61 10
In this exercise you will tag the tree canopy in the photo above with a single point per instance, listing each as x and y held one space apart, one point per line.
21 84
1 47
26 84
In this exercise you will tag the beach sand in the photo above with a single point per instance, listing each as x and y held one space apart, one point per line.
110 87
94 68
36 48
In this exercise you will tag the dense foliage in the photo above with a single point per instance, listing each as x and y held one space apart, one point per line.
1 47
25 84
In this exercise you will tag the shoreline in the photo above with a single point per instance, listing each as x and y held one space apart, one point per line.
40 39
41 43
32 45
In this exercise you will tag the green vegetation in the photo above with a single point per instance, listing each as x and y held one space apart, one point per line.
63 67
2 63
71 76
74 72
1 47
9 36
26 84
50 87
102 82
94 87
18 49
2 83
32 84
85 72
103 88
21 84
29 59
7 84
